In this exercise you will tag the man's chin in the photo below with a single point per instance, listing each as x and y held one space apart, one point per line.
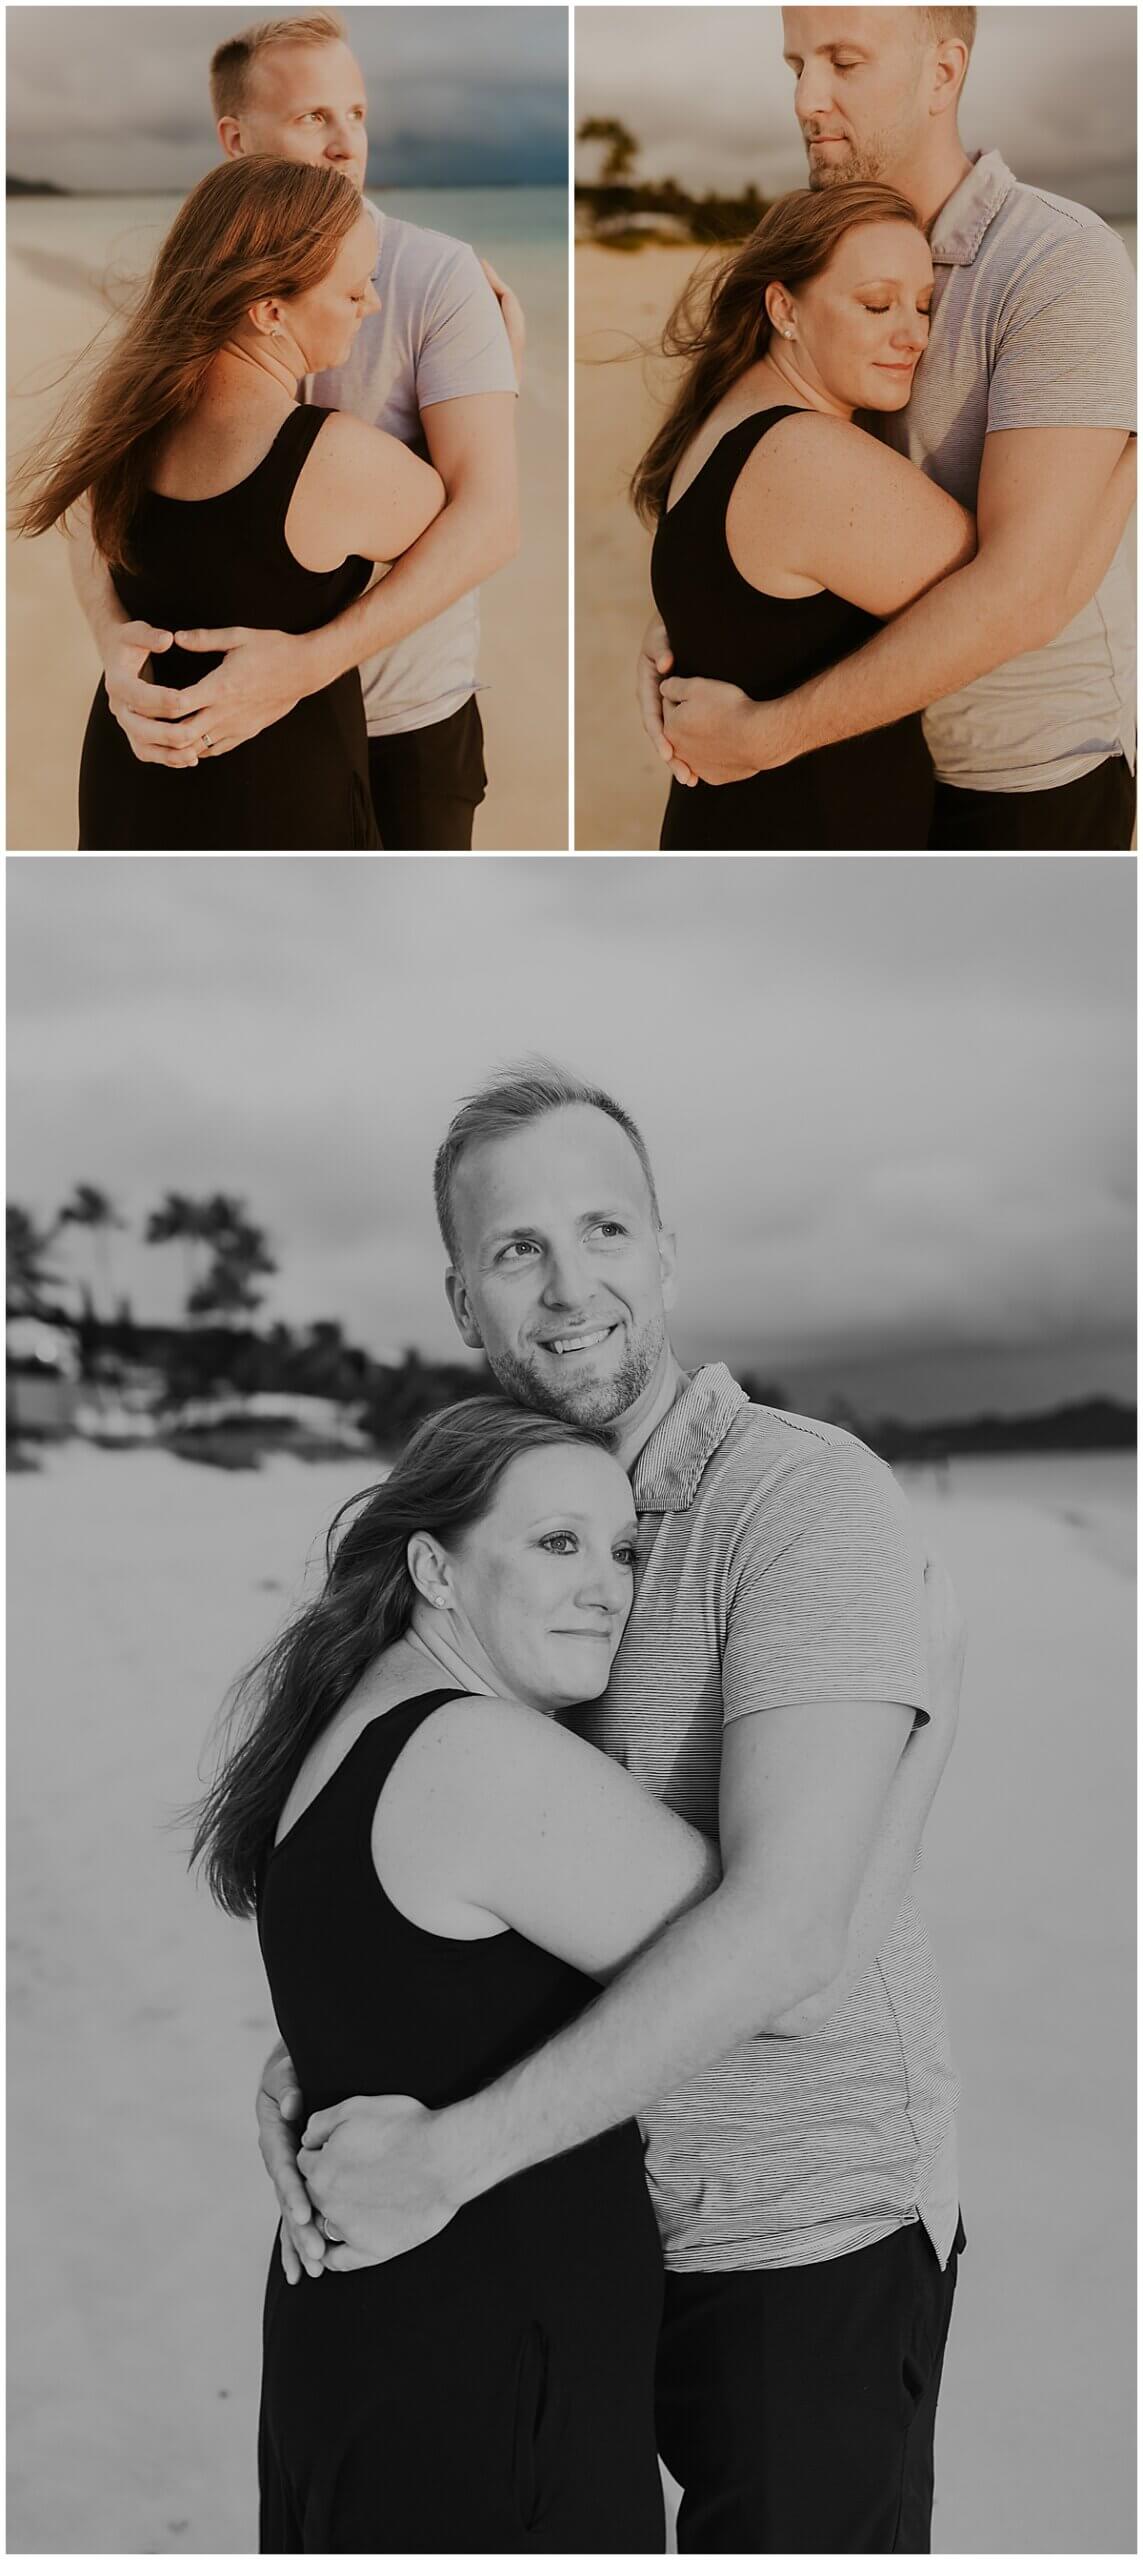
595 1400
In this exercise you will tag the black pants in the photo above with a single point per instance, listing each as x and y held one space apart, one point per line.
1094 815
427 784
796 2405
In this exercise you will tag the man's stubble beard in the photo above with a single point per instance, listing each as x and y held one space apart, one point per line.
597 1404
859 168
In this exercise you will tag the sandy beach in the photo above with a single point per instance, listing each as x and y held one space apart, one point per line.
621 302
140 2222
60 251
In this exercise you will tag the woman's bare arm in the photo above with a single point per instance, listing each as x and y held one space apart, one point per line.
847 513
362 491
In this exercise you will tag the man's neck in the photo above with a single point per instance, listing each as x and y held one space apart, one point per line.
930 183
634 1428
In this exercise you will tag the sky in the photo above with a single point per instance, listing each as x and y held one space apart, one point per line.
710 100
116 99
890 1104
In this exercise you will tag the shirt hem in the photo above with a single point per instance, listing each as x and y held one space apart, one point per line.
759 2257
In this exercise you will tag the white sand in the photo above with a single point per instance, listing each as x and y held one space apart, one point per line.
140 2221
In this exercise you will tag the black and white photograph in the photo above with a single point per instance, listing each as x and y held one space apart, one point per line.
571 1704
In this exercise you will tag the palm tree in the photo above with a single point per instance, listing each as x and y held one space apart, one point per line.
240 1254
28 1275
180 1220
91 1208
620 149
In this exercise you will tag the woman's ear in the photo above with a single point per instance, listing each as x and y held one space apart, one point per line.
428 1569
267 317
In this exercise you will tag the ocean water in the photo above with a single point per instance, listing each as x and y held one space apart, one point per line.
127 229
1091 1492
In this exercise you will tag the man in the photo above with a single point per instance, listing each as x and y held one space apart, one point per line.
1023 405
434 366
767 1682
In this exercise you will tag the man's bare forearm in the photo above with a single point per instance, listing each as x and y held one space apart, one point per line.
92 582
725 1970
957 631
462 547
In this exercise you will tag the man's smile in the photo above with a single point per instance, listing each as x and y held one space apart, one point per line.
576 1339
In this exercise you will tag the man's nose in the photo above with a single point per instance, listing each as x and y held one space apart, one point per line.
812 100
565 1285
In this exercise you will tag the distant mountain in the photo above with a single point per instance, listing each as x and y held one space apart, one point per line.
33 187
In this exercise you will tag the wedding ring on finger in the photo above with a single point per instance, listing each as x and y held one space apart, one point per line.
334 2237
207 744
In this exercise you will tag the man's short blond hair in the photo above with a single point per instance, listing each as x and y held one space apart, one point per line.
230 65
939 23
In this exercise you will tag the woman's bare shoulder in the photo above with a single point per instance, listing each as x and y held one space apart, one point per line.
806 443
345 442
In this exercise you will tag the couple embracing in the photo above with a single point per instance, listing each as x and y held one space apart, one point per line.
579 1812
309 390
894 608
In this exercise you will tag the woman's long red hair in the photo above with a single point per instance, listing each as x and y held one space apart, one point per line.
250 228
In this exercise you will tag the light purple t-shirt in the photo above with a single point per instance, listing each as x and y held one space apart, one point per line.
437 336
1033 326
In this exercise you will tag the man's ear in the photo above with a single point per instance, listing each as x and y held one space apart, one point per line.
667 1258
230 137
462 1314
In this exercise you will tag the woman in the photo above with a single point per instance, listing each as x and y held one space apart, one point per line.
784 531
441 1873
216 499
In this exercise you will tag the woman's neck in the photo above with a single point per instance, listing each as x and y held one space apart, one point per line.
240 371
428 1641
809 395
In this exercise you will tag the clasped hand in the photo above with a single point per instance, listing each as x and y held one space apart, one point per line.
364 2168
704 731
257 681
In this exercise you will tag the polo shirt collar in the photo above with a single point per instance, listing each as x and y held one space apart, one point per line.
669 1467
961 224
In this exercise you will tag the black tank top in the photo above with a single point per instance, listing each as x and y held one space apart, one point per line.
209 563
492 2389
866 792
366 2000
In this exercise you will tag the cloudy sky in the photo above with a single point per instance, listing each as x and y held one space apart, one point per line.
707 94
890 1102
117 98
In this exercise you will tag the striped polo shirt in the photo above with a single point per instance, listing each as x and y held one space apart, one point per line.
778 1566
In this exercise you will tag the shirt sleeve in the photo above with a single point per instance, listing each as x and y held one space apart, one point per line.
464 345
1066 351
825 1593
